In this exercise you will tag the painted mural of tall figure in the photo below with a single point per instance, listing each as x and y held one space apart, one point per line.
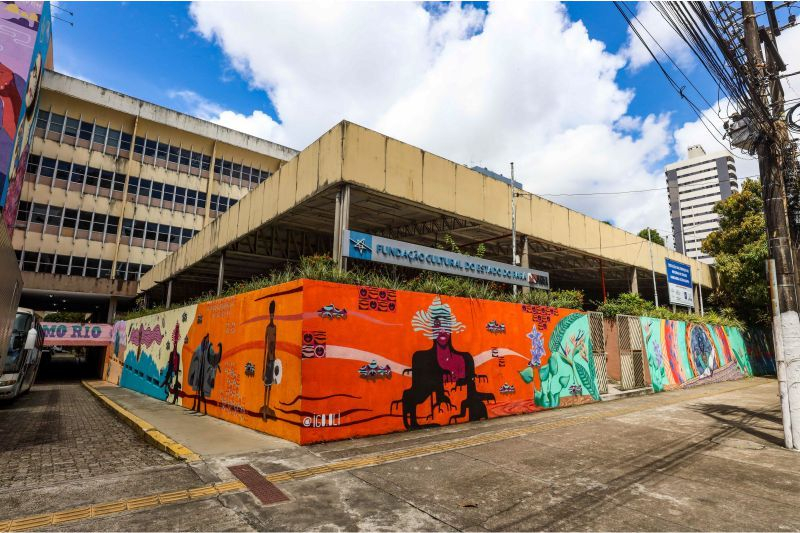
439 366
172 382
203 371
270 343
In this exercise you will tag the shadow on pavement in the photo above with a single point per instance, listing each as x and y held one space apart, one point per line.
652 463
742 419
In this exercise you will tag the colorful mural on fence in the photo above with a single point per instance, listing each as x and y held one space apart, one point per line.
25 32
680 354
235 358
372 361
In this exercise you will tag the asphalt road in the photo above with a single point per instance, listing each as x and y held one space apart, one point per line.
704 459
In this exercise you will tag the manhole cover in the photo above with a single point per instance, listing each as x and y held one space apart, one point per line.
260 487
742 444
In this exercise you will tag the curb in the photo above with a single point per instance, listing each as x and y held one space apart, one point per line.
148 432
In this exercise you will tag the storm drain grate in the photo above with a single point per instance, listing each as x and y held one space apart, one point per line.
262 489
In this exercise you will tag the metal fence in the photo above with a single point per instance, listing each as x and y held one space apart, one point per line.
598 338
631 345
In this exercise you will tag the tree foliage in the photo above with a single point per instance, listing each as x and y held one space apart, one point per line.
654 236
739 247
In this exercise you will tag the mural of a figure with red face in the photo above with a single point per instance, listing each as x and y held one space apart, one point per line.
439 366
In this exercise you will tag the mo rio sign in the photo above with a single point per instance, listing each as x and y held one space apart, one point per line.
75 334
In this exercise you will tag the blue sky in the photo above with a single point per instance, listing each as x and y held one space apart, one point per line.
149 49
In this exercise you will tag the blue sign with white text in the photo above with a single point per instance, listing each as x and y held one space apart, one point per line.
382 250
679 273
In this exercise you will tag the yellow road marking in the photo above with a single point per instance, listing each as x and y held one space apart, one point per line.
166 498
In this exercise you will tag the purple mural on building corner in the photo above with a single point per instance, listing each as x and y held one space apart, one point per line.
25 32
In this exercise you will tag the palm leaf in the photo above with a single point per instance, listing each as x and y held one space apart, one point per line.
587 381
561 329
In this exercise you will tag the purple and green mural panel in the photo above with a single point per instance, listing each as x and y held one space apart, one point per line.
25 32
682 354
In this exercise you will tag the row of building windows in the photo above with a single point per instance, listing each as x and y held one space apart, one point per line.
162 153
239 174
71 265
156 193
59 218
153 193
221 204
99 225
153 231
685 208
75 128
64 172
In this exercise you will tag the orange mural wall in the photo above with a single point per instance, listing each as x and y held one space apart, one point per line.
335 361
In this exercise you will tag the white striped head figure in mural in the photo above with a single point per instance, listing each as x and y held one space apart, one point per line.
203 371
439 366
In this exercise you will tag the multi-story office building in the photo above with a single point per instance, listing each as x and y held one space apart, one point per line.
695 185
114 184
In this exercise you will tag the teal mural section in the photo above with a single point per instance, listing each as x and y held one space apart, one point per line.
569 372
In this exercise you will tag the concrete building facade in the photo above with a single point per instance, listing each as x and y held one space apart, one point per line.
358 179
694 186
115 184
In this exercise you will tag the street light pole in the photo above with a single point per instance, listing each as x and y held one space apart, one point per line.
652 266
513 223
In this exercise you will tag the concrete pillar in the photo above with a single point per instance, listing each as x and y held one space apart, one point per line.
221 277
696 299
524 261
341 222
112 309
634 281
169 293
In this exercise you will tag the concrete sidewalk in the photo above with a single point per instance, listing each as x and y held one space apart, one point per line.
204 435
708 458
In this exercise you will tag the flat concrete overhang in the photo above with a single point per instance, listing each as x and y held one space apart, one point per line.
402 192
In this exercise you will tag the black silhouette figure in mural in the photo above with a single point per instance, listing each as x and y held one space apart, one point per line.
270 343
441 365
203 371
139 344
171 381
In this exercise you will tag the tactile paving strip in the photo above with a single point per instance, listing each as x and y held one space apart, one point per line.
262 489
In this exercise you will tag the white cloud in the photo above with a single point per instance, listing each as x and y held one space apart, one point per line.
520 83
660 37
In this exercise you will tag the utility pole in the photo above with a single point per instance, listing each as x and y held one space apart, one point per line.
770 161
652 266
513 222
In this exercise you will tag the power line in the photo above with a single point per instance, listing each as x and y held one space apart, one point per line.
668 56
599 193
679 89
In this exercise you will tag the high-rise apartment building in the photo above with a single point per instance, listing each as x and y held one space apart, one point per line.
695 185
114 184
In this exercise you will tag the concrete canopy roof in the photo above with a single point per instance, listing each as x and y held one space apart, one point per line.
405 193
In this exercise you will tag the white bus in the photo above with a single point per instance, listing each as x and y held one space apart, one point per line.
24 354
